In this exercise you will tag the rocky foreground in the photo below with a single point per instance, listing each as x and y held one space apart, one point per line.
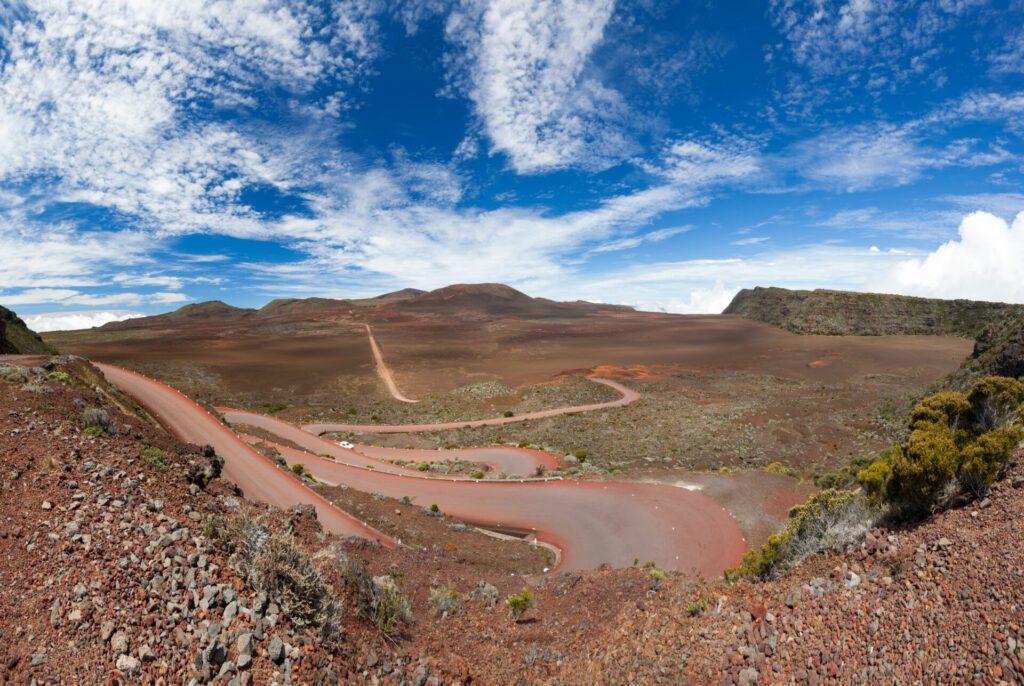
115 571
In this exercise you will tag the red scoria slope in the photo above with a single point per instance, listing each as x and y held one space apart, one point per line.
110 577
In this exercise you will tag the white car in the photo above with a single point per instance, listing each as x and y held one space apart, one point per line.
346 445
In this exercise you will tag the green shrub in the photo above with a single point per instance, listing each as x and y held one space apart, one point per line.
873 479
59 377
154 457
996 401
581 455
697 607
476 474
379 598
524 444
509 413
298 469
922 472
984 461
519 604
423 466
96 422
779 468
540 470
829 520
444 600
435 509
949 408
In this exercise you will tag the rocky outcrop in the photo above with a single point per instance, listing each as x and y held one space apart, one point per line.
999 351
844 313
17 339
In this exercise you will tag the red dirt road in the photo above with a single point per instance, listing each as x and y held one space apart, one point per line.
628 396
590 522
260 479
384 371
511 461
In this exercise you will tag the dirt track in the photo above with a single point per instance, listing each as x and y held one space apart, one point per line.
628 396
255 475
384 371
590 522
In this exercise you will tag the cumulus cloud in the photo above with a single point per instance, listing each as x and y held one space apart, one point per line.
68 321
524 66
986 262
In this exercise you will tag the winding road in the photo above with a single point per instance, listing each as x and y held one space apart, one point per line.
589 522
627 396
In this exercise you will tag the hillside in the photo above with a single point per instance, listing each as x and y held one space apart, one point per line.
16 338
998 351
140 564
843 313
496 300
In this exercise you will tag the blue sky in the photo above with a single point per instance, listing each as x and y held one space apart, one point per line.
656 154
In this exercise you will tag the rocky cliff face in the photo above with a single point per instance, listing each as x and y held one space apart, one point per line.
16 338
842 313
999 351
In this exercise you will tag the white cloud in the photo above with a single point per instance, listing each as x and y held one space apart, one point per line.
525 69
985 263
67 321
753 240
875 42
636 241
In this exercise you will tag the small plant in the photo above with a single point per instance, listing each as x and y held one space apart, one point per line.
326 456
779 468
279 458
435 509
540 470
154 457
488 594
650 564
581 455
508 413
697 607
423 466
658 576
444 600
59 377
378 598
519 604
298 469
273 408
725 470
406 500
477 474
96 422
524 444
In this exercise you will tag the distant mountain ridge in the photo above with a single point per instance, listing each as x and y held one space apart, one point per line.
998 351
17 339
845 313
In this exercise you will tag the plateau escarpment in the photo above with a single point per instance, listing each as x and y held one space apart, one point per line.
844 313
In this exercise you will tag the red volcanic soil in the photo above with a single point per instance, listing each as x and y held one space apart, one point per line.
438 355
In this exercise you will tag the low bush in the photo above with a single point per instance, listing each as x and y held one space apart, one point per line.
509 413
298 469
154 457
779 468
519 604
96 422
829 520
444 600
476 474
270 562
59 377
377 598
540 470
959 446
581 455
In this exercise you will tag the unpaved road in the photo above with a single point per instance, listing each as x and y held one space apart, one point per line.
628 395
590 522
258 477
511 461
384 371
